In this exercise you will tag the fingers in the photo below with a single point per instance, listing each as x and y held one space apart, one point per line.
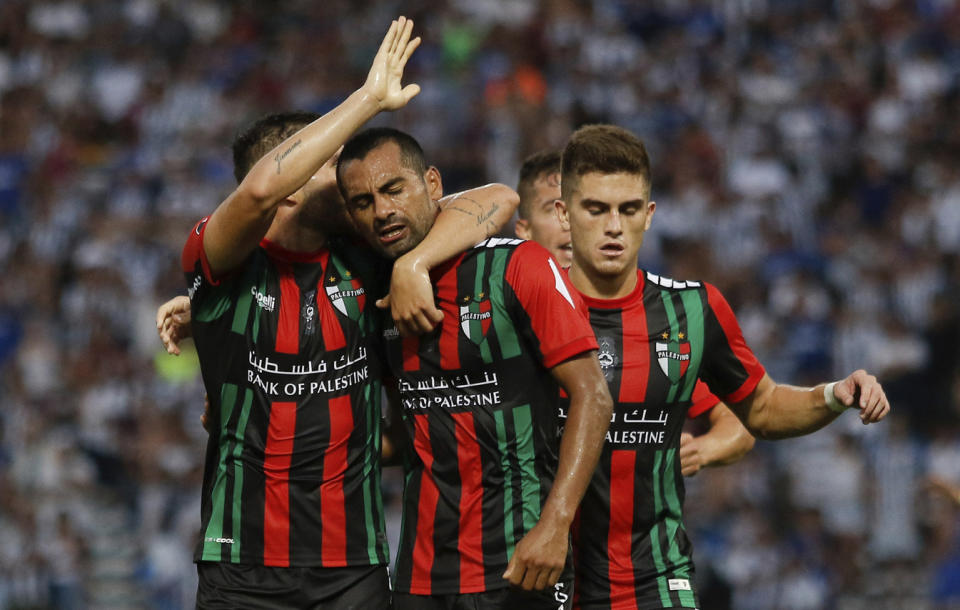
388 39
405 27
513 573
873 403
383 303
409 49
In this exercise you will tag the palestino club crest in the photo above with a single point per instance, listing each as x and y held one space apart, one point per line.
345 292
475 316
673 356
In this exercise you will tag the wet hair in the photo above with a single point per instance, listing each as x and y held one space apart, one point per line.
604 149
362 143
263 135
536 165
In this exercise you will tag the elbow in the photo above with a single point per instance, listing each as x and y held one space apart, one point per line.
507 197
260 192
745 443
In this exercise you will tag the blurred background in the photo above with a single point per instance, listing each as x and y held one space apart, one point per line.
806 157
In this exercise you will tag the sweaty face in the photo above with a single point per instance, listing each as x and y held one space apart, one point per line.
542 224
608 215
390 204
323 206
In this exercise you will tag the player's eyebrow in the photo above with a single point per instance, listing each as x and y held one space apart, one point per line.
586 202
390 183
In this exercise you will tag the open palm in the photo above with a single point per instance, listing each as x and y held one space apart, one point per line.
384 80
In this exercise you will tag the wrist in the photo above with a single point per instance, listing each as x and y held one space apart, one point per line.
831 398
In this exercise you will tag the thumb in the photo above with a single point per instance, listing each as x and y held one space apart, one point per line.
508 573
384 303
844 391
410 91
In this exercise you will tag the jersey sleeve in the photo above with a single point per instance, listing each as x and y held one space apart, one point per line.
558 319
703 400
194 259
730 368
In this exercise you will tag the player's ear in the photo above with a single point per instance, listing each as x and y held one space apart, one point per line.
651 208
522 229
561 208
433 182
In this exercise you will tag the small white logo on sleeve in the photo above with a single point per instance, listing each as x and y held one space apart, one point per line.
558 283
678 584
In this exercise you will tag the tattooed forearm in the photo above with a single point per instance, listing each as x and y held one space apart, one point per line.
280 156
481 214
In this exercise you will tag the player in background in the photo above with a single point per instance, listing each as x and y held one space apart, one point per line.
488 495
291 510
726 441
659 336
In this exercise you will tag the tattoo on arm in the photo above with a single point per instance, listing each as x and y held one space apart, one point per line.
480 215
280 156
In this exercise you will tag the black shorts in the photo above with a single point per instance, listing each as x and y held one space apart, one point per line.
231 585
558 597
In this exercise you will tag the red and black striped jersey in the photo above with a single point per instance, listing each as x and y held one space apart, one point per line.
630 546
288 352
480 407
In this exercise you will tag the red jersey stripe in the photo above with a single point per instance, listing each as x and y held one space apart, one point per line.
450 326
636 356
411 357
288 325
470 540
276 470
329 323
423 551
333 515
620 535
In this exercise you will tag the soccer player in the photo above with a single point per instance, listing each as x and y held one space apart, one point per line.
630 547
291 509
488 498
539 188
726 441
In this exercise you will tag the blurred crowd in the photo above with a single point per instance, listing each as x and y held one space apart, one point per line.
806 159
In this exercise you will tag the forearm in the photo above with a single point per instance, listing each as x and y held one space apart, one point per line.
287 167
785 411
583 437
726 442
465 219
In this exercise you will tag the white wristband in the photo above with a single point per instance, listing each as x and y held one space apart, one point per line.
831 399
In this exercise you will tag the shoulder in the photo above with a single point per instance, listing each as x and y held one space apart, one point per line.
674 285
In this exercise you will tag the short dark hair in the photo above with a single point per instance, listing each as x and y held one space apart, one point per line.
605 149
360 145
263 135
538 164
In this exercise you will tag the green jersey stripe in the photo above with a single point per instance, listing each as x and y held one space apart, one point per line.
655 546
238 473
693 314
672 520
506 333
672 365
503 443
242 309
214 532
529 481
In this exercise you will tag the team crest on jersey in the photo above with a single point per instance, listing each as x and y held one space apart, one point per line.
475 316
673 355
345 293
607 355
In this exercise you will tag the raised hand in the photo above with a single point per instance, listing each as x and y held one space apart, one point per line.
386 73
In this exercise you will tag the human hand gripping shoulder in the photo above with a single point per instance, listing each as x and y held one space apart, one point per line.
246 215
465 219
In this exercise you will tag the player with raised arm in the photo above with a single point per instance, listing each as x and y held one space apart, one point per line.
630 546
291 510
488 496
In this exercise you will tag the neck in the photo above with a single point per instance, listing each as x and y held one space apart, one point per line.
603 287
